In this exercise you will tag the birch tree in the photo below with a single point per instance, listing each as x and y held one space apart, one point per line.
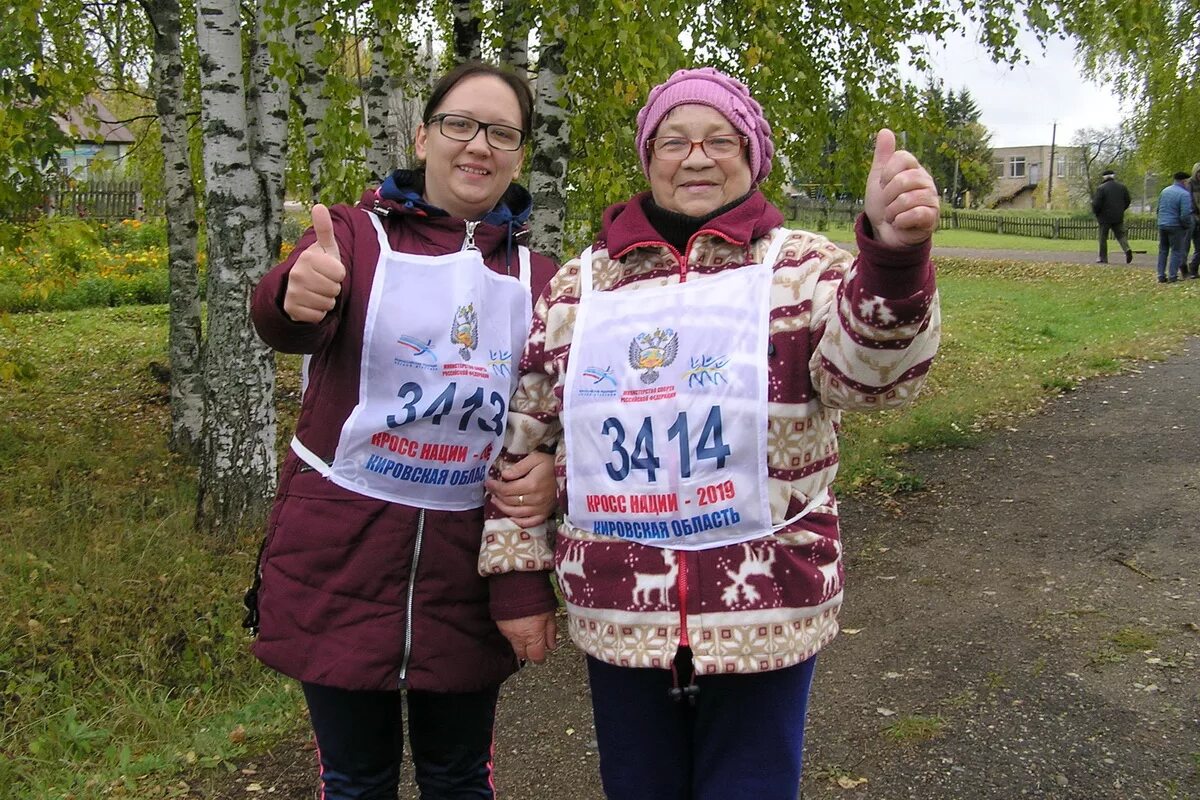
237 473
514 17
309 94
551 136
183 331
467 31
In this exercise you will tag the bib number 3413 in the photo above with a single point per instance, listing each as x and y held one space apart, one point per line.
709 446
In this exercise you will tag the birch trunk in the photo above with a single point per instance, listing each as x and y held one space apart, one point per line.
237 468
378 92
467 33
183 325
310 95
514 50
551 137
267 115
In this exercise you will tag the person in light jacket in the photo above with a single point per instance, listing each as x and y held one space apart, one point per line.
1175 221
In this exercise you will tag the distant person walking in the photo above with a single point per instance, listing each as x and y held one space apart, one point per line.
1174 227
1109 204
1192 270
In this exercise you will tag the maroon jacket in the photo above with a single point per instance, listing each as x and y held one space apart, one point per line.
337 570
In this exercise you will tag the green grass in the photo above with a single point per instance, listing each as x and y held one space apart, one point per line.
1014 334
123 660
1132 640
913 728
123 664
949 237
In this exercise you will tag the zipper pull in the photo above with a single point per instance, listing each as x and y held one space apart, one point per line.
469 240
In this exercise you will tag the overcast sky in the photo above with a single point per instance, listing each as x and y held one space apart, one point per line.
1021 104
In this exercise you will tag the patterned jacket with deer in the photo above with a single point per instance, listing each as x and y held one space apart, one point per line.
846 334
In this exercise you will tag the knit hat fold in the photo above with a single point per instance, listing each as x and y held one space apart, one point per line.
706 86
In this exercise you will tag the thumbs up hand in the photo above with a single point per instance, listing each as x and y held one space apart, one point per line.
315 280
901 200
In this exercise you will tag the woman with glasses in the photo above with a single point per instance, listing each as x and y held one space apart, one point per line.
692 367
412 309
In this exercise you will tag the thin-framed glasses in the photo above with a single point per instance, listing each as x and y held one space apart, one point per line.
464 129
677 148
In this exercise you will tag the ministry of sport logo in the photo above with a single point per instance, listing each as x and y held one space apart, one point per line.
650 351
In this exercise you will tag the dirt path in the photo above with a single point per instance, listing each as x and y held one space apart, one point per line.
1026 626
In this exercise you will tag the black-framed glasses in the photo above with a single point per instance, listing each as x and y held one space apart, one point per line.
464 129
677 148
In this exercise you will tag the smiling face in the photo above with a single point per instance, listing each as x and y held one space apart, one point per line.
467 179
698 185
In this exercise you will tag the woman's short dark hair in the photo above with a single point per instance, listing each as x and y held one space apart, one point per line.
469 69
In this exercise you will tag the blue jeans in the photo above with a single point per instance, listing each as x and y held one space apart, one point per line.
360 742
742 740
1172 240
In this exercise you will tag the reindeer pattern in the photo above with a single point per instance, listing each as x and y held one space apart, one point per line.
741 591
647 584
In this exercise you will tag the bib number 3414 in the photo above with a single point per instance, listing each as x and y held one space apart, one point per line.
709 446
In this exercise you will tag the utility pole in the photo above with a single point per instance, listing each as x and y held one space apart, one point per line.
1050 181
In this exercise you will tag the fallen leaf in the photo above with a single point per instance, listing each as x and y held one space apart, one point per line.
238 735
850 783
885 712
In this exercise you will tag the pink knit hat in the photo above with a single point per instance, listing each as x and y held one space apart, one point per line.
708 87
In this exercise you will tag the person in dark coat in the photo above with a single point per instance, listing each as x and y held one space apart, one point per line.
1109 204
412 309
1192 268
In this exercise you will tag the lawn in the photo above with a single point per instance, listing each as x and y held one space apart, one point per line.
124 667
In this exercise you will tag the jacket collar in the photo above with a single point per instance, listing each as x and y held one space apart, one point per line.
625 226
401 193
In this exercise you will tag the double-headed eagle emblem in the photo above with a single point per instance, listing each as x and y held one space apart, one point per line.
464 330
649 351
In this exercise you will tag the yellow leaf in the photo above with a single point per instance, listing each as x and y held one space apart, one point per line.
850 783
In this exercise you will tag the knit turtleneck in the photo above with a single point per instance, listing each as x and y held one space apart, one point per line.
678 229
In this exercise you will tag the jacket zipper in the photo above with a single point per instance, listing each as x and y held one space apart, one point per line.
412 585
682 584
469 239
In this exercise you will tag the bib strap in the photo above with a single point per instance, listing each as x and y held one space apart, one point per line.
585 272
384 247
780 236
312 459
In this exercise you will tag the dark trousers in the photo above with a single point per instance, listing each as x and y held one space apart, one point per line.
742 740
1118 230
1194 264
1172 248
360 742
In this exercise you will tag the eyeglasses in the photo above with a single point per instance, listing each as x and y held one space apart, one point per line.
677 148
464 129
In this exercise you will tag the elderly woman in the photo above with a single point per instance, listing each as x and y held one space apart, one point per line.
692 367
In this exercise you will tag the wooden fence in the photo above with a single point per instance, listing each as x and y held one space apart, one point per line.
1044 228
820 216
108 200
